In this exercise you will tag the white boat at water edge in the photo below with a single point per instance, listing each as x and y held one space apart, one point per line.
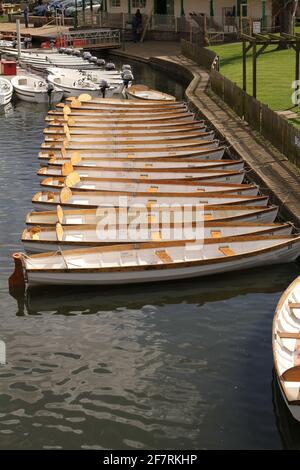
113 79
46 200
155 262
228 176
36 239
164 164
102 185
34 89
6 91
142 92
92 157
224 213
77 86
286 346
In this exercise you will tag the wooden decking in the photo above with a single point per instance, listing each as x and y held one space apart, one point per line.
43 32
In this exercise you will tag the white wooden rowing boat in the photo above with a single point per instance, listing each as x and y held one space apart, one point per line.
83 119
6 91
144 127
163 164
145 139
92 156
36 239
87 100
33 89
115 145
233 213
286 346
121 106
193 174
74 181
126 264
61 129
142 92
45 200
116 113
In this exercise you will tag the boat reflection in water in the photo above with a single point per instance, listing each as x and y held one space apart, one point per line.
288 427
66 300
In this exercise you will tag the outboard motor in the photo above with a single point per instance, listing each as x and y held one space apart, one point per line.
127 78
61 50
101 62
126 67
103 85
69 51
110 66
86 55
77 53
93 59
50 89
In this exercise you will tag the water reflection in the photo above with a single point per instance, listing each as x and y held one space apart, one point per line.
63 300
288 427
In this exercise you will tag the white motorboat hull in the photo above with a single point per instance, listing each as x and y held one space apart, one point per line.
38 97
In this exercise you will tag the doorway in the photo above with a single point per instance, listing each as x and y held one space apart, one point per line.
164 7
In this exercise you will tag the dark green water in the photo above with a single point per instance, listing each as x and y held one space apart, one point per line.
181 365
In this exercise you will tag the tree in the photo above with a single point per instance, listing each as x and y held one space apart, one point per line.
284 12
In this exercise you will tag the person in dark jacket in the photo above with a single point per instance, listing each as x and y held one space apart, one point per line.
137 25
26 14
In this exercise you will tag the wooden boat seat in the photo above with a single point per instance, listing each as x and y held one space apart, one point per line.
34 233
227 251
156 236
292 374
151 219
150 203
75 158
164 256
152 189
128 258
207 217
288 335
215 233
293 305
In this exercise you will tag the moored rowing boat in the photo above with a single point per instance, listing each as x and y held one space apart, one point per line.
126 174
223 213
107 231
151 262
99 185
286 346
88 199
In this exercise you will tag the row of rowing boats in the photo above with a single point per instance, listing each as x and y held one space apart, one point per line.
138 191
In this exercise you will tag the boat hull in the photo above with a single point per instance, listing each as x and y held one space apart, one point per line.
280 255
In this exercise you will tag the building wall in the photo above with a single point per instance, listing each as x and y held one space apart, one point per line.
198 6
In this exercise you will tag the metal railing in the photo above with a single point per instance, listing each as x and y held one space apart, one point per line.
93 38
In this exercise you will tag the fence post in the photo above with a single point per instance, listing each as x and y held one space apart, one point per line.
176 24
191 32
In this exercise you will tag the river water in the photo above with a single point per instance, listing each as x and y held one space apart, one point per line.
171 366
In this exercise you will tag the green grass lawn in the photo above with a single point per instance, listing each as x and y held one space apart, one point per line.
275 74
